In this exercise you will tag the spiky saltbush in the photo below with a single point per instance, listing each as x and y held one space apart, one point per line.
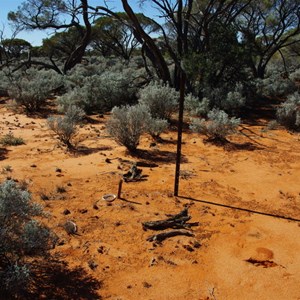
196 107
21 237
161 99
218 125
32 87
288 114
66 126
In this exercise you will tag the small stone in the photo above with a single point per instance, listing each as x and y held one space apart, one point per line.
188 248
147 285
92 265
197 245
66 212
33 166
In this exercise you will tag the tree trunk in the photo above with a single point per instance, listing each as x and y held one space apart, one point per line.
77 55
156 56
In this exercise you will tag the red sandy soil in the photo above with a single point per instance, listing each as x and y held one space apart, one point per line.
234 254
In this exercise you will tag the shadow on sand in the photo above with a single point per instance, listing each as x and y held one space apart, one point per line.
55 280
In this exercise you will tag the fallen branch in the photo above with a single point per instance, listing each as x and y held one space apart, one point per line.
174 221
164 235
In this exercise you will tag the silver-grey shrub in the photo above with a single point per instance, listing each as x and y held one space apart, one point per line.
228 100
195 107
161 99
21 237
127 124
275 86
66 126
288 114
33 87
217 126
156 126
100 88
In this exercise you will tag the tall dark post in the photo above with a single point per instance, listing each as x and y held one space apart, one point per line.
179 136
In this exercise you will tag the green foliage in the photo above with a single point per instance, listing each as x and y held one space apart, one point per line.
44 13
288 114
10 140
113 35
14 48
66 126
161 100
32 87
21 237
218 125
61 43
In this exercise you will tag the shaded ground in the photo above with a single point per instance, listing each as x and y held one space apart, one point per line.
234 254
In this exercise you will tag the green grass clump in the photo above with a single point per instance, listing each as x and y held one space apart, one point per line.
10 140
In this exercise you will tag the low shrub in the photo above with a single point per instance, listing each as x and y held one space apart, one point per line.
195 107
218 125
161 100
32 88
66 126
127 124
98 88
22 238
156 126
222 98
288 114
275 86
10 140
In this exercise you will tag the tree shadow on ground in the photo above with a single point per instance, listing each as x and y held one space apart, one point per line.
3 153
83 150
261 111
55 280
156 156
232 146
99 119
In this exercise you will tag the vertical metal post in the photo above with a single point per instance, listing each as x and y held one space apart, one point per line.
120 188
179 133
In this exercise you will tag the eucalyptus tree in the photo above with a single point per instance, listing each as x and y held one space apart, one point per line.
14 48
58 15
113 35
266 27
